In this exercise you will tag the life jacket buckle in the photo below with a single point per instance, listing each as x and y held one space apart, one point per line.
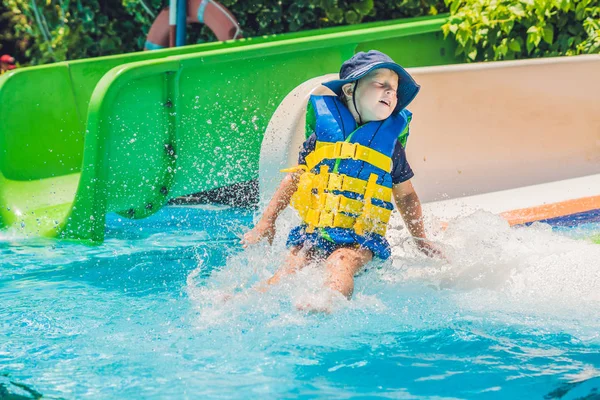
332 202
344 205
326 219
348 150
338 148
335 182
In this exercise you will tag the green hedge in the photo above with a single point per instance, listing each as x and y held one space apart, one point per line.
70 29
60 30
513 29
9 42
43 31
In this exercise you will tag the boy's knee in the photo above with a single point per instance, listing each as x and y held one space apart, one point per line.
348 258
342 258
294 262
297 258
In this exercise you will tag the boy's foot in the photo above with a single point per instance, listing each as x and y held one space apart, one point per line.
314 309
322 303
224 297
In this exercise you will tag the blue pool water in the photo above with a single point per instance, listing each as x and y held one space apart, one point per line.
514 314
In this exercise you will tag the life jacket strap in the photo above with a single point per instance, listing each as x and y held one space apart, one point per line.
345 150
345 183
327 219
295 169
372 216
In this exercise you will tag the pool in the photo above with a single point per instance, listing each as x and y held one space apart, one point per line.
515 314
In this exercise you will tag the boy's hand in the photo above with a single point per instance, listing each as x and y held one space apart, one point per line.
260 231
430 249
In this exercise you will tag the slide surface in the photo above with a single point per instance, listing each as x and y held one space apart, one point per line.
516 138
128 133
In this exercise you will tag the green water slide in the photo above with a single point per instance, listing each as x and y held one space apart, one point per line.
128 133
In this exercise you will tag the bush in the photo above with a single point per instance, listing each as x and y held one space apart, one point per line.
394 9
276 16
513 29
57 30
70 29
64 29
9 42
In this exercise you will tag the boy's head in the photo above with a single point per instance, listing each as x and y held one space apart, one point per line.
374 85
374 96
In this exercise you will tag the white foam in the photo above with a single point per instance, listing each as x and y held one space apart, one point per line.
522 275
525 276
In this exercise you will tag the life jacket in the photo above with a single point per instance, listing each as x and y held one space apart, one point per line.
347 181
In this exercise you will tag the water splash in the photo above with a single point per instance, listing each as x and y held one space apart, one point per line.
524 275
512 314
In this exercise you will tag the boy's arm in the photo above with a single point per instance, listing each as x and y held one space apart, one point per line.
409 205
280 200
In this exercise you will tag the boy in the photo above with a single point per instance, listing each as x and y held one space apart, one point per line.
348 171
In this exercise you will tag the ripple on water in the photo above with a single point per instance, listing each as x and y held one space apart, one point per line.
512 314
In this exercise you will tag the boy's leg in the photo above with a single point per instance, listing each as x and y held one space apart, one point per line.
297 258
342 265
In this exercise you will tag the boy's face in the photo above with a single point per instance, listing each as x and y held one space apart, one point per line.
376 94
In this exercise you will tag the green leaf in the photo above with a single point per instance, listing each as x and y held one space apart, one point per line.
517 10
446 30
580 9
530 46
564 5
454 5
462 36
363 7
502 49
336 15
508 26
514 46
352 17
548 34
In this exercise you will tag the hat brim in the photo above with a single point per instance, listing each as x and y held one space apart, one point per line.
407 87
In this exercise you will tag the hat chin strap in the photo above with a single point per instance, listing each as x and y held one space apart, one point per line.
354 103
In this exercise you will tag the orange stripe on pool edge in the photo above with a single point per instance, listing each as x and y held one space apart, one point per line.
569 207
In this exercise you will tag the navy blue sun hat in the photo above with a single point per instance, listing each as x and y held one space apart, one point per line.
362 63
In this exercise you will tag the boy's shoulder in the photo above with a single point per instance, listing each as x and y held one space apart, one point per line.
406 112
326 96
323 102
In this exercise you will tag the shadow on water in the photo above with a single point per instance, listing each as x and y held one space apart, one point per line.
11 390
585 389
